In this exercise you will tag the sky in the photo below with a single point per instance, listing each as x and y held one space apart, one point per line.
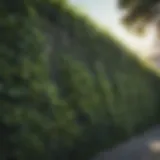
106 13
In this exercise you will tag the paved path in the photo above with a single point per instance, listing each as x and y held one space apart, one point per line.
143 147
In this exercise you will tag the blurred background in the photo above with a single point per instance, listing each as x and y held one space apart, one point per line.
79 80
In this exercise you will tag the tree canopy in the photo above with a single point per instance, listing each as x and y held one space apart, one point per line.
139 13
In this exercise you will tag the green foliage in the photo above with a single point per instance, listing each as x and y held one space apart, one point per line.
98 94
31 112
